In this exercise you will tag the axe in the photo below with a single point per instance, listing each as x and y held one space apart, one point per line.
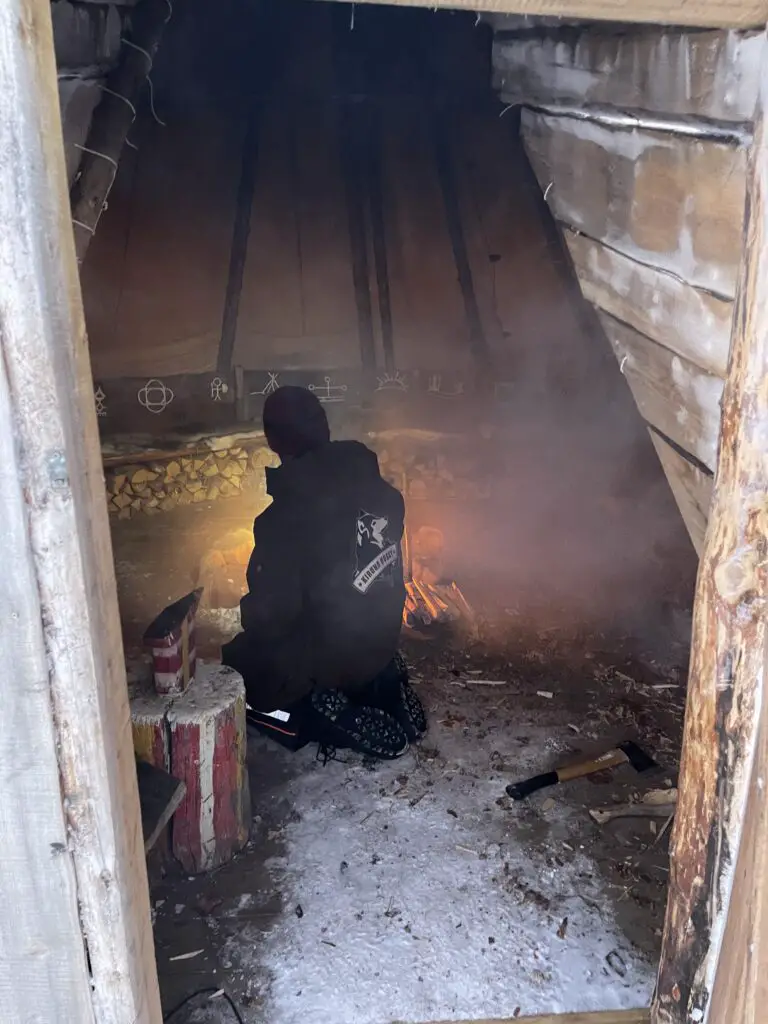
624 753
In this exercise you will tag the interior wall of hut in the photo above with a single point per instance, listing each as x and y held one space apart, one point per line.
644 169
408 213
356 217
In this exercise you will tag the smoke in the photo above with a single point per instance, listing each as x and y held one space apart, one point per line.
579 526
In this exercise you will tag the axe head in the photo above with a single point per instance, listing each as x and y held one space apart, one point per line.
637 757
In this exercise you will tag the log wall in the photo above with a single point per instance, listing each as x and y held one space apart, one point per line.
639 137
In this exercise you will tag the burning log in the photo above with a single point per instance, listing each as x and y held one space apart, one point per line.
428 603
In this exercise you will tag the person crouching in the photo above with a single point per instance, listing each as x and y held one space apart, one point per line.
322 617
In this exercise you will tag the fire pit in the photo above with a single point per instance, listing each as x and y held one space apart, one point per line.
429 597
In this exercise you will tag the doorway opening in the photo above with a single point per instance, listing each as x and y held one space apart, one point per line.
334 197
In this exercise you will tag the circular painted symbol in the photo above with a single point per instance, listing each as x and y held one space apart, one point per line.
155 396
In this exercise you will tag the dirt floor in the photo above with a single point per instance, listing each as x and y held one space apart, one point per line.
418 890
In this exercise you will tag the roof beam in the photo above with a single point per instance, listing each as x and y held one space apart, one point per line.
699 13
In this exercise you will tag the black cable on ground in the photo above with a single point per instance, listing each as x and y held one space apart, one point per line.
205 992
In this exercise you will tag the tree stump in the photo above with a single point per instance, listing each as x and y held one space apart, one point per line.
206 726
199 737
151 740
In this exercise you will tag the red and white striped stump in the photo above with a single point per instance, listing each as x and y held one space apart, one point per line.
200 736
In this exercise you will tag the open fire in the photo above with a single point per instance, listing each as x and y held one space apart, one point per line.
426 603
428 597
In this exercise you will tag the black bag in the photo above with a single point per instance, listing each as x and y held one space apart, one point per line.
282 726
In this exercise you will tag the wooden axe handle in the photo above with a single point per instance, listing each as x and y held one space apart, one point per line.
520 790
595 764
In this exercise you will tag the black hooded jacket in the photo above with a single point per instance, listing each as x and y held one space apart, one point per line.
325 580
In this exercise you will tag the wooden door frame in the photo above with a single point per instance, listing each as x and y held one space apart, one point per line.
73 885
714 961
74 889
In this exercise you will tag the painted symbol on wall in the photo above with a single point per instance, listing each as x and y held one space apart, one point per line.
329 392
155 396
435 387
101 401
219 388
272 385
391 382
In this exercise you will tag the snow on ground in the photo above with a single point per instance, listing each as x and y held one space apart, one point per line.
412 892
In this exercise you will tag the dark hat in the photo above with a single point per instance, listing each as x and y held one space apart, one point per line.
294 422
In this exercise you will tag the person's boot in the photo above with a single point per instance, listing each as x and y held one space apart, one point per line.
392 692
332 720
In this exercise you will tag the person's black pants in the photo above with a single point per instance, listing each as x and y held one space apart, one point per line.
378 719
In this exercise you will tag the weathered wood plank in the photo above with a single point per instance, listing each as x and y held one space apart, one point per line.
159 797
512 23
725 13
672 201
62 620
713 964
674 395
43 970
595 1017
693 323
699 74
691 488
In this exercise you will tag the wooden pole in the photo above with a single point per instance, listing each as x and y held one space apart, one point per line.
113 119
714 965
75 929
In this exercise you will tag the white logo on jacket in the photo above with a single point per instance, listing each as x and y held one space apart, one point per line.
375 554
371 528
